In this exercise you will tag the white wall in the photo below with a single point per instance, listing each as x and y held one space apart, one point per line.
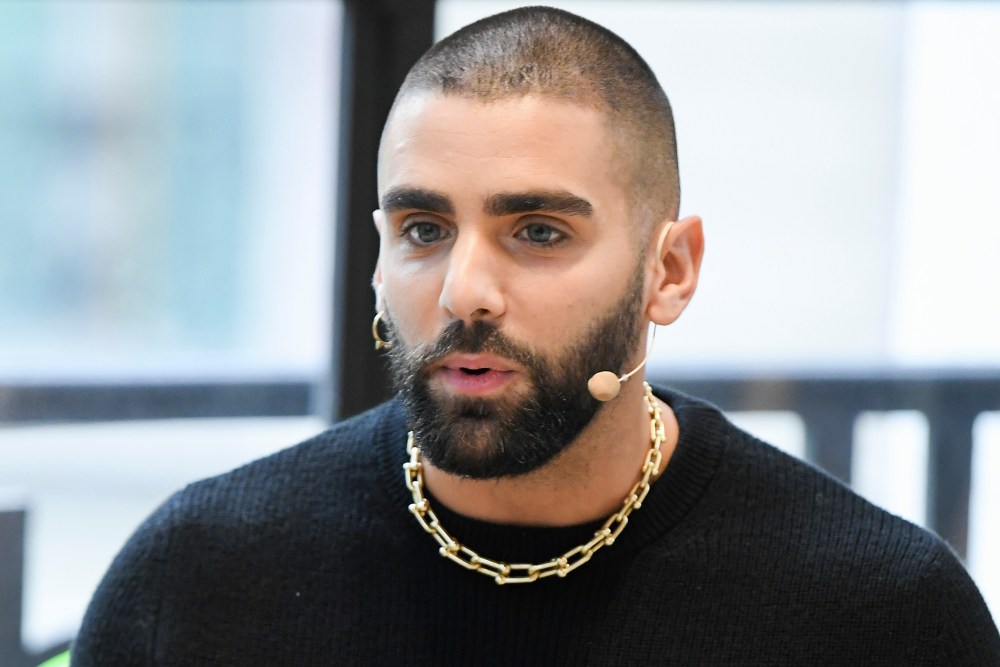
946 296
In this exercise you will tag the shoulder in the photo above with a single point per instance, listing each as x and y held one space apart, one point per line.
802 538
266 521
766 487
321 469
787 498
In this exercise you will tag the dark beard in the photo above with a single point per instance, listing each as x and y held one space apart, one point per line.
490 438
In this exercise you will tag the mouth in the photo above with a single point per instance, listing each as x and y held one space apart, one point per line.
475 374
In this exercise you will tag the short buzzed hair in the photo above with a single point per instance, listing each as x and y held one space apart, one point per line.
550 52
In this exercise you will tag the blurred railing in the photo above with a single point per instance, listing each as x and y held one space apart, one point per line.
104 401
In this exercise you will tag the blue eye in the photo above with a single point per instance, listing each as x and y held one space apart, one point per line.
424 233
540 234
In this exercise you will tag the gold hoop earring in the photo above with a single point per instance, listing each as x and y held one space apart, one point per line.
380 343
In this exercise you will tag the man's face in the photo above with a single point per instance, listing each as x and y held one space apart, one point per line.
509 273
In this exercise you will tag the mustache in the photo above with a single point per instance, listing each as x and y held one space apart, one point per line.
478 337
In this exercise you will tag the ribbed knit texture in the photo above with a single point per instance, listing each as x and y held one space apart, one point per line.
741 555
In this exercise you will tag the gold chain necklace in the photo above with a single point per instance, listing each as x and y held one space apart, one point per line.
524 573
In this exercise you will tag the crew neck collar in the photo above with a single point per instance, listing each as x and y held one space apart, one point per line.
702 440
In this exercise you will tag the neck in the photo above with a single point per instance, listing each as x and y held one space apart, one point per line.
586 482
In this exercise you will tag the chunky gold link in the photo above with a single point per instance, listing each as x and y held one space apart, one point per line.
525 573
420 518
492 565
616 531
458 559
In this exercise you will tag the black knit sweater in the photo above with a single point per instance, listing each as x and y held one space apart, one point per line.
741 555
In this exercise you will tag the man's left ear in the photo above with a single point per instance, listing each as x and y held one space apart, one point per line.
675 272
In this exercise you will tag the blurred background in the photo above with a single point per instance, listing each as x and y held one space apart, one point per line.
185 248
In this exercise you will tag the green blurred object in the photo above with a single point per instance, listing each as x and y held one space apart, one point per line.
60 660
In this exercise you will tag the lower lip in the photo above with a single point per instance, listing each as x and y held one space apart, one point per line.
475 385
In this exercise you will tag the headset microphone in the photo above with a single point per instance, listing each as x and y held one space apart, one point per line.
605 385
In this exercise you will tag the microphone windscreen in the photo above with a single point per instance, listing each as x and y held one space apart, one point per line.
604 385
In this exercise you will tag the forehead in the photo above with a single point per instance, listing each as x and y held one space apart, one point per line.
454 144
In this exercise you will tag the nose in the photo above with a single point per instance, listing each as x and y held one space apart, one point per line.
473 286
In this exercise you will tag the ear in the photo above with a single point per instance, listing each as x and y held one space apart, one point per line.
379 219
675 271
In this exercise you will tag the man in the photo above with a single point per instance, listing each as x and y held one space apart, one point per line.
528 219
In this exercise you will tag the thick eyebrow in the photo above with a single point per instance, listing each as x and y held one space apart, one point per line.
557 201
405 198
